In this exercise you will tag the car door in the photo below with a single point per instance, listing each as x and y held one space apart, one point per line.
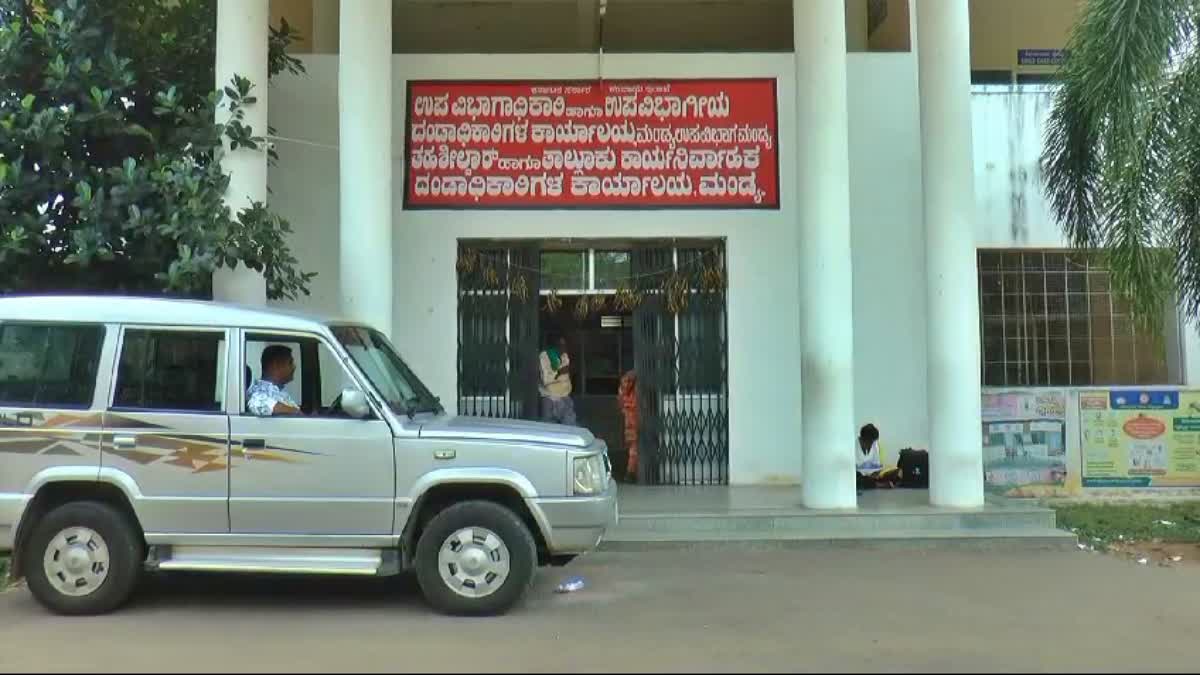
167 428
50 403
318 473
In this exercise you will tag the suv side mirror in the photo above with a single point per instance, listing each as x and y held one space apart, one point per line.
354 404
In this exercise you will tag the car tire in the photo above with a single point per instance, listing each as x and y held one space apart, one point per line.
461 553
89 546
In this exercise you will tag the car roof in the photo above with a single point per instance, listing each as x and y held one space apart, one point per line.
154 311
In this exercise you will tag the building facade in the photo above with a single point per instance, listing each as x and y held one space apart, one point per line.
893 259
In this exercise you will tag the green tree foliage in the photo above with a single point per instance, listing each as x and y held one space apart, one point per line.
1121 161
109 151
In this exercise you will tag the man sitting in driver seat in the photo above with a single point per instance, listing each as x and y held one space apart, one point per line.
267 396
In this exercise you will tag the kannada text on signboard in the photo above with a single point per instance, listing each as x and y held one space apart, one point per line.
679 143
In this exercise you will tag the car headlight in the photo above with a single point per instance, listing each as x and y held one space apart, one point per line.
589 475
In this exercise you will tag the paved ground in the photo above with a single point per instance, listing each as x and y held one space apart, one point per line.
841 609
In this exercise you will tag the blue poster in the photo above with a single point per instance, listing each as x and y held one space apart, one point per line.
1146 399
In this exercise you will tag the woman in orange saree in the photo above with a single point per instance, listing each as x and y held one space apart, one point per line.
627 399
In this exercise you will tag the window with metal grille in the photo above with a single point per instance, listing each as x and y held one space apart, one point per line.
1049 319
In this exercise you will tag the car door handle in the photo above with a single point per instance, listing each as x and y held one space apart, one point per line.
123 441
254 443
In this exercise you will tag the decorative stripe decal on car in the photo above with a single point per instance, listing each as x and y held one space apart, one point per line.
32 433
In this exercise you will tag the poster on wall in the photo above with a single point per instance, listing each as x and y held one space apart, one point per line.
1140 438
1024 442
1041 57
592 144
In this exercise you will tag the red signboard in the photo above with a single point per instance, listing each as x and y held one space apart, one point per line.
599 144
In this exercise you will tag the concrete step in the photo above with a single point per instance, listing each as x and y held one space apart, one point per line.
812 524
1024 538
749 517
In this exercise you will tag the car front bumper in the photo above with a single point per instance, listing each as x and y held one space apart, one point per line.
574 525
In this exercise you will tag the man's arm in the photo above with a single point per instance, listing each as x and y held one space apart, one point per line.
265 405
282 408
548 375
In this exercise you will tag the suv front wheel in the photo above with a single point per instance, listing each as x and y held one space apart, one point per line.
475 558
83 558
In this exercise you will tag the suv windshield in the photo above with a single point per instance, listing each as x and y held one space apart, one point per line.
391 377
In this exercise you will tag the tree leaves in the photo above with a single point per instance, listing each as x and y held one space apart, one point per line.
1115 150
110 152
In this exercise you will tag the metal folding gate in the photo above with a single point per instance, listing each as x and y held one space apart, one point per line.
681 358
680 350
498 331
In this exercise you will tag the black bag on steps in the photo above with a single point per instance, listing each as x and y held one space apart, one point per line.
914 468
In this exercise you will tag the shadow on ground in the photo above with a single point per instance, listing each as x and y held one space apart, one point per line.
299 593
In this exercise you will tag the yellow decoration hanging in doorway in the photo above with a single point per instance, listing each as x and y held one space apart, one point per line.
519 287
626 300
676 289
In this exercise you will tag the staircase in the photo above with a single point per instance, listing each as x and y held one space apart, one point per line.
654 518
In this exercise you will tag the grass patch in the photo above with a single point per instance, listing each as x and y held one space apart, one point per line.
1101 524
3 571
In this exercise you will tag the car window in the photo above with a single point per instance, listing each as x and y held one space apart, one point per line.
44 365
319 377
334 378
171 370
252 372
392 378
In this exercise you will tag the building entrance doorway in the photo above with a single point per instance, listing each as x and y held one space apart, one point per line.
650 313
600 343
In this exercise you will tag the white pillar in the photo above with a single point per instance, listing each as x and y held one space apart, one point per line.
826 279
365 132
242 33
955 426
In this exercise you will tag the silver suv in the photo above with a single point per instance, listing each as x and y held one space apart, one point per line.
127 443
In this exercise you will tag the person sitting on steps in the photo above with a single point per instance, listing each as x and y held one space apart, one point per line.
868 464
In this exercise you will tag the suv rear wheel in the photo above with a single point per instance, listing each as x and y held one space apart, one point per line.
83 558
475 558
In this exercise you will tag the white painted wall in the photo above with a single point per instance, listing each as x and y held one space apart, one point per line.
1009 129
764 368
763 284
1009 124
889 249
303 184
